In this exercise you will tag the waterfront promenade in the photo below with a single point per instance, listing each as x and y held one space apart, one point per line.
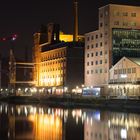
76 101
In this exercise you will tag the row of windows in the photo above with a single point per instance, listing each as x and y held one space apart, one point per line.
96 71
53 76
94 37
125 23
96 62
96 45
54 56
125 71
48 63
96 54
125 14
53 69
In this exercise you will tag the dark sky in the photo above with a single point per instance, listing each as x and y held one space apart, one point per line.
24 17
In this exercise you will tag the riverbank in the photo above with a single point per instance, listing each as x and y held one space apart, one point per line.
76 101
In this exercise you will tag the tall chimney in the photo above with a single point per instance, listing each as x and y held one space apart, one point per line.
75 34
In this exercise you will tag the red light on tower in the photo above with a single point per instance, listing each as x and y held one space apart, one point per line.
14 37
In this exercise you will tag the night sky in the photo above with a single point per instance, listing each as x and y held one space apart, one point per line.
24 17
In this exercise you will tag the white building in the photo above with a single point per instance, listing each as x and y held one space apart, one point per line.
118 35
125 77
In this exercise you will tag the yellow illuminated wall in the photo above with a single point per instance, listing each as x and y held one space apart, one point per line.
68 37
52 67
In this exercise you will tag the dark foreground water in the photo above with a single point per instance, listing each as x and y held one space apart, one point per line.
34 122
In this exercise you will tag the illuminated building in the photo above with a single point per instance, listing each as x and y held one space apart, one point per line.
125 76
58 60
118 35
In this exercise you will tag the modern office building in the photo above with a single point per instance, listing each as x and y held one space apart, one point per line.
58 60
118 35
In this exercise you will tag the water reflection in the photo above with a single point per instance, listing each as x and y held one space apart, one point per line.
27 122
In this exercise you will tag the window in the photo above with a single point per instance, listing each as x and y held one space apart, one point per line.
133 23
88 47
87 63
129 70
96 36
92 37
96 45
92 46
88 55
87 71
91 62
96 53
133 14
133 70
100 70
96 62
116 23
100 61
101 35
101 24
101 53
92 54
125 14
101 44
96 71
125 23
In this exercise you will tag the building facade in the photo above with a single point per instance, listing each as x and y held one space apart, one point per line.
58 60
118 35
124 77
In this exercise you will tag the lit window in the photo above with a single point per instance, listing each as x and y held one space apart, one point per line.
116 23
125 14
133 14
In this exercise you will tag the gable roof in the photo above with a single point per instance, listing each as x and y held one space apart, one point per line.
135 60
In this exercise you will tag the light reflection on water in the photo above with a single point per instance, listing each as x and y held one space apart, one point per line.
30 122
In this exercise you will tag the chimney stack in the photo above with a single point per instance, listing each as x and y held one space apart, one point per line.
75 34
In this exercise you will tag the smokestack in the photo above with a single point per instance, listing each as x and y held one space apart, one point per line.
75 34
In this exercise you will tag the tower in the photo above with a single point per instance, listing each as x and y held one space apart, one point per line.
75 34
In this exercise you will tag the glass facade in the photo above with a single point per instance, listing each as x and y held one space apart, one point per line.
125 42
